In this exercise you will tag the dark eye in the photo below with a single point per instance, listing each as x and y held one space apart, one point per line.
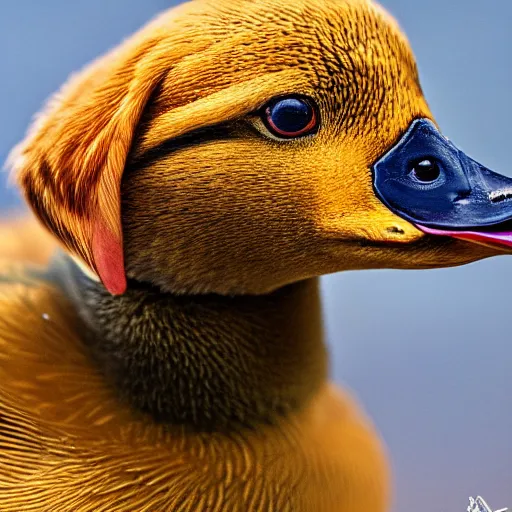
288 118
426 170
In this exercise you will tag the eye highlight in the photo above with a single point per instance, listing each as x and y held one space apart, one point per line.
291 117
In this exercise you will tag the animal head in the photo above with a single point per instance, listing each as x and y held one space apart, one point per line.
235 146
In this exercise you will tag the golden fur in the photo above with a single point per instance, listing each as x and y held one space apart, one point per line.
152 164
68 445
344 54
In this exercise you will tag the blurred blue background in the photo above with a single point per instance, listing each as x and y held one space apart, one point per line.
427 352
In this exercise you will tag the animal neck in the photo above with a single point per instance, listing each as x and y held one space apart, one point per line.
208 362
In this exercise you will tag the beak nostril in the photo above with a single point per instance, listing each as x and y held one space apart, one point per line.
396 230
498 196
462 195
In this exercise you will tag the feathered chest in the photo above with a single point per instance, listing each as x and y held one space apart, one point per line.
67 443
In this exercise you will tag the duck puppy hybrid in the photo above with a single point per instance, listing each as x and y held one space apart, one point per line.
199 179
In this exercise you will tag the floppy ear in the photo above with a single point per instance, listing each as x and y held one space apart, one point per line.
71 163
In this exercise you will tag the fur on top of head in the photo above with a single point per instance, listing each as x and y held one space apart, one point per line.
198 65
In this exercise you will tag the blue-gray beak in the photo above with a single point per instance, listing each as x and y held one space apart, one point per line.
428 181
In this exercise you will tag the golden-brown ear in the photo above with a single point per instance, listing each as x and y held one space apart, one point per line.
71 163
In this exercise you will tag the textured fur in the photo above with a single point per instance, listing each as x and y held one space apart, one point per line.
68 444
182 358
214 64
153 169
